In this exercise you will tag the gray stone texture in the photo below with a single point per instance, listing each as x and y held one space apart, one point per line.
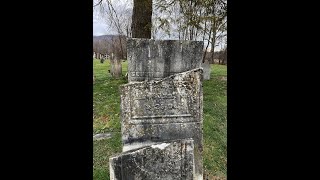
115 67
163 161
168 109
102 136
150 59
206 70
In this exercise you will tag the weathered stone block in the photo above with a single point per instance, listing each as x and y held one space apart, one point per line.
150 59
162 161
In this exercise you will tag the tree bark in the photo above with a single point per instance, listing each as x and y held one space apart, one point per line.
121 49
213 44
141 19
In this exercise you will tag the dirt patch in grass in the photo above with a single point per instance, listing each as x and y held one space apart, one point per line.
104 119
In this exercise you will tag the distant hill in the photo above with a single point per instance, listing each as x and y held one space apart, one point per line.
106 37
107 44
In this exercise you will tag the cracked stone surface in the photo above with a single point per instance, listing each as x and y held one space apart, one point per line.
168 109
150 59
163 161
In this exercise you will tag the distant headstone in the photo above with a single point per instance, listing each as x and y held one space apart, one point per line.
150 59
206 70
163 161
169 109
115 66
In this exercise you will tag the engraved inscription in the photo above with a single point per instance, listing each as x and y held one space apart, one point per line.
164 101
154 107
146 74
149 74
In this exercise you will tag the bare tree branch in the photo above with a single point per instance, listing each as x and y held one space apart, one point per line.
99 3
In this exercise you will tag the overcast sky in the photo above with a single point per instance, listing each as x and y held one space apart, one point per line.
100 27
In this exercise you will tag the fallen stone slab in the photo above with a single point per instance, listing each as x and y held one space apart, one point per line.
163 161
102 136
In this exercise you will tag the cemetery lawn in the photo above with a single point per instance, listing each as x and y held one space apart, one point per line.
106 118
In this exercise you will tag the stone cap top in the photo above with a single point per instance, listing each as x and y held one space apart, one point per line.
163 79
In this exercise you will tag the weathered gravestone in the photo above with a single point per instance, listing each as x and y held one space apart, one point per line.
163 161
169 109
163 100
155 59
206 70
115 66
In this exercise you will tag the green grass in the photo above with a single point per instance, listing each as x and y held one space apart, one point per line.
102 150
215 122
106 101
106 98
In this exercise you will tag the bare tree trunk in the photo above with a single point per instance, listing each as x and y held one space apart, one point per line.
212 52
141 19
121 49
213 44
197 30
205 52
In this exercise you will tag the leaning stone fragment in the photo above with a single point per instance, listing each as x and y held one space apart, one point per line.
163 161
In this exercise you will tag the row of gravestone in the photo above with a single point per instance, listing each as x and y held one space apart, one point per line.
161 112
100 56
